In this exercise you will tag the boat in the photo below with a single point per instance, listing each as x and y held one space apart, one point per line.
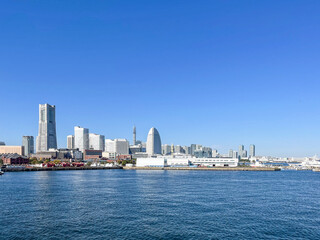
1 172
316 169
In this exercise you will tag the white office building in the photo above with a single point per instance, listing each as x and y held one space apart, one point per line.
118 146
96 141
81 138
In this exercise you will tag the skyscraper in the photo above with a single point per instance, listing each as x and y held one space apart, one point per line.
70 142
153 142
28 144
241 148
47 137
81 138
134 135
252 150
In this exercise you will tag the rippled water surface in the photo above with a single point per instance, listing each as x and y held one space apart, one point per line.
120 204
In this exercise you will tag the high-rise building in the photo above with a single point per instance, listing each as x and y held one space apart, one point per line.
235 154
230 153
47 137
215 153
70 142
134 135
117 146
178 149
241 149
166 149
110 146
121 146
96 141
153 142
28 144
252 150
81 138
186 149
244 154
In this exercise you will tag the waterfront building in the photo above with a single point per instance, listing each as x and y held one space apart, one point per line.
28 144
96 141
153 142
47 137
12 149
252 150
13 159
70 142
186 161
166 149
215 162
81 138
134 136
151 162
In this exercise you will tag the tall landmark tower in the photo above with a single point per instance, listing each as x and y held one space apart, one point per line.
47 137
134 135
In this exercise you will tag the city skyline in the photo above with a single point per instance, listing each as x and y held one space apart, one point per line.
225 74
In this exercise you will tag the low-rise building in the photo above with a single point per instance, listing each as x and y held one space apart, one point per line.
13 159
151 162
12 149
92 154
215 162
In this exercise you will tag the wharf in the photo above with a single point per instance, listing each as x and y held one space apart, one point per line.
56 169
206 169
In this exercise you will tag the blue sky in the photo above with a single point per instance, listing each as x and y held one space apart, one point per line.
217 73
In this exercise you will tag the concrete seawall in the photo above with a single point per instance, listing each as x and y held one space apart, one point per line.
56 169
205 169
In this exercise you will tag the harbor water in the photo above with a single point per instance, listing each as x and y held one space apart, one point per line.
156 204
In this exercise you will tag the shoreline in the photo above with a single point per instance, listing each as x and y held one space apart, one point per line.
205 169
36 169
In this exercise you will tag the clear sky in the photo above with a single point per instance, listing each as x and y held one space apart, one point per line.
217 73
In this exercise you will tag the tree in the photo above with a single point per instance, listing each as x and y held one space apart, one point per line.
56 162
89 164
1 162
